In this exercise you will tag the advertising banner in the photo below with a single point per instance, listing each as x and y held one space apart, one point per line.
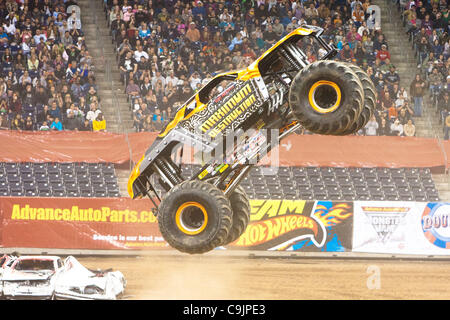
77 223
297 225
284 225
124 224
401 228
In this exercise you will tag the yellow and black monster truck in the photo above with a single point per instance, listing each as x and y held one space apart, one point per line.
279 92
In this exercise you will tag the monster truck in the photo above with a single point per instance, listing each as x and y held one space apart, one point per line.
273 97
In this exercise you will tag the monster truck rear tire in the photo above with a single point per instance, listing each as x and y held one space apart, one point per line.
370 98
240 206
195 217
326 97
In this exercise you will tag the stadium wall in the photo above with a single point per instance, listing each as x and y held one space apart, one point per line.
121 225
295 150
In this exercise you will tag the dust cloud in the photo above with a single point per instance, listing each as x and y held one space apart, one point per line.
191 278
179 276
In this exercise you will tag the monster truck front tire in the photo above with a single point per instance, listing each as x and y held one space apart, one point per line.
195 217
326 97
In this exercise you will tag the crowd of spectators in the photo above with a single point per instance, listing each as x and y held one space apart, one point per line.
427 24
46 78
168 49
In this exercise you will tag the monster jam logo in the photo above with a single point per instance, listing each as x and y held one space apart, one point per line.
385 220
274 224
435 224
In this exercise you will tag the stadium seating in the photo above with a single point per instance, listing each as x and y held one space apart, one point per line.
58 180
306 183
327 183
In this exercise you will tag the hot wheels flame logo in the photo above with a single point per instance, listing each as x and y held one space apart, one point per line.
276 223
334 215
267 230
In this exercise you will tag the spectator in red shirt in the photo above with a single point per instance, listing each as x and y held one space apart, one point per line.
347 53
383 56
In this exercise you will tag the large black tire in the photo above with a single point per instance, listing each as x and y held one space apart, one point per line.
195 217
240 206
370 98
326 97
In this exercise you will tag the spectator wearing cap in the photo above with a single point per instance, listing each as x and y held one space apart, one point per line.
128 14
193 34
383 56
392 77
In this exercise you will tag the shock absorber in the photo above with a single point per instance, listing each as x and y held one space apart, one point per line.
294 55
170 173
296 64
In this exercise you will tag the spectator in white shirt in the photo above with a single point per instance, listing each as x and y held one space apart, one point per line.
140 53
194 80
397 128
371 127
172 79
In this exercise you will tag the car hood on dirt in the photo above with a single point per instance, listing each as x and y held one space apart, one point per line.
14 275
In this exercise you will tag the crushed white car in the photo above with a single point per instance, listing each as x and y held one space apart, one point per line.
5 263
32 277
78 282
48 277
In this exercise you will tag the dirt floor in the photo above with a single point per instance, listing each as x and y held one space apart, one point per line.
242 277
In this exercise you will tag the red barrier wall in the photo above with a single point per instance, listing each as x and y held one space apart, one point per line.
296 150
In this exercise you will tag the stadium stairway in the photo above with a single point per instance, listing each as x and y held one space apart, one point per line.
442 183
403 57
113 100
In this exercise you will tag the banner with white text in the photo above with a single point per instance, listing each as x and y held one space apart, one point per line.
401 228
77 223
